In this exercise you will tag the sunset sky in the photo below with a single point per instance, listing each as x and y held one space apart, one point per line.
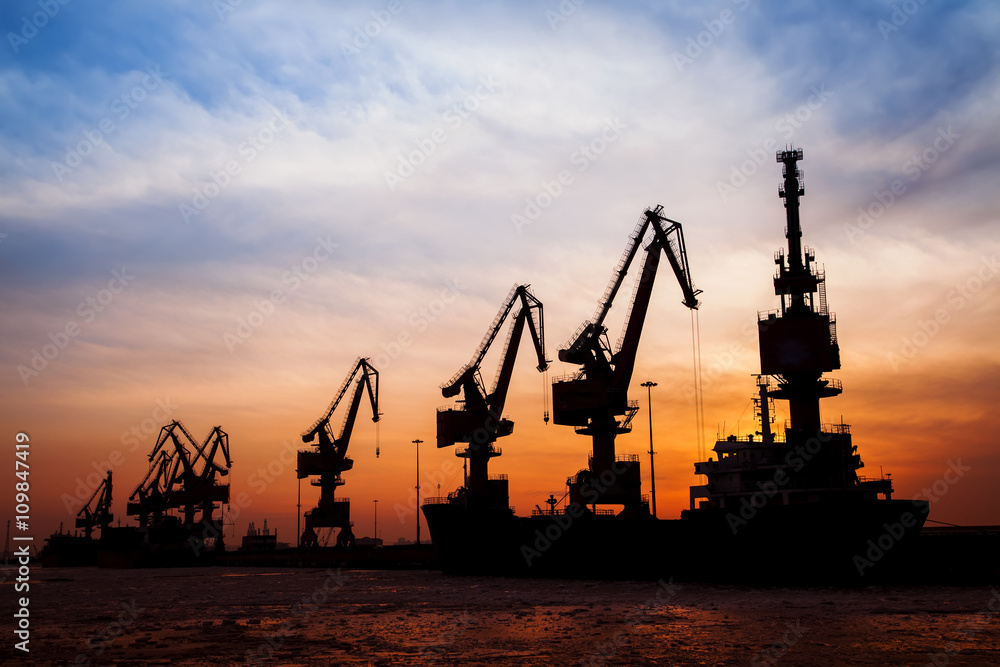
210 210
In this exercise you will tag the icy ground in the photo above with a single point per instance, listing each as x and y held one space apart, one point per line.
316 617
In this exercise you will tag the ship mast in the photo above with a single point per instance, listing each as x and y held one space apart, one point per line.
799 342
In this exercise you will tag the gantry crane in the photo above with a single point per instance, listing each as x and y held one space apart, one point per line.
594 399
329 460
192 487
184 479
100 515
148 500
479 421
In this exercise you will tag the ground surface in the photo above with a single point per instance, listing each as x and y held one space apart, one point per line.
307 617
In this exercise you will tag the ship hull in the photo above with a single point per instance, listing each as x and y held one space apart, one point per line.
780 544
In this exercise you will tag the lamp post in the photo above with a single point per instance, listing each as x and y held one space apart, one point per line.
652 475
376 521
417 443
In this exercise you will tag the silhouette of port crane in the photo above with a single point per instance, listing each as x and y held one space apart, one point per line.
594 399
183 475
478 417
329 460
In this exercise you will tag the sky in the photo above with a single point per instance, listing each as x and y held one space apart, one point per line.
209 210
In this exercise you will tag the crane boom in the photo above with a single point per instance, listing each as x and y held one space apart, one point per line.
329 459
479 421
100 515
595 397
322 425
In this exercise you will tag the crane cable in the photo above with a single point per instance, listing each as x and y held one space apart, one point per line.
699 403
545 395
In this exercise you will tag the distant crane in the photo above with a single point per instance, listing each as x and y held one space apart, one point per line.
148 500
185 479
594 398
479 421
100 514
329 460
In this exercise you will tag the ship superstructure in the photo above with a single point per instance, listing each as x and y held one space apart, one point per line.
808 462
782 504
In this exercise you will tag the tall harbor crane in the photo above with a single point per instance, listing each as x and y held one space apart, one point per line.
594 399
100 514
184 477
479 419
148 500
329 459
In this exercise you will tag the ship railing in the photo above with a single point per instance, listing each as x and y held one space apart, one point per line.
836 384
767 314
872 480
498 476
623 458
452 407
568 377
604 512
436 500
839 429
755 439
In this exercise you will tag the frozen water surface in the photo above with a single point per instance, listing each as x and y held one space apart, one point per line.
354 617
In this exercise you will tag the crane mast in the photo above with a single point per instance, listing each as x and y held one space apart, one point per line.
479 419
329 460
594 399
183 475
798 343
100 515
148 498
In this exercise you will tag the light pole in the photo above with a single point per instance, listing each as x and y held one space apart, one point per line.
417 443
652 475
376 521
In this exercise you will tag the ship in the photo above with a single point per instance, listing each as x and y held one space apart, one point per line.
784 505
